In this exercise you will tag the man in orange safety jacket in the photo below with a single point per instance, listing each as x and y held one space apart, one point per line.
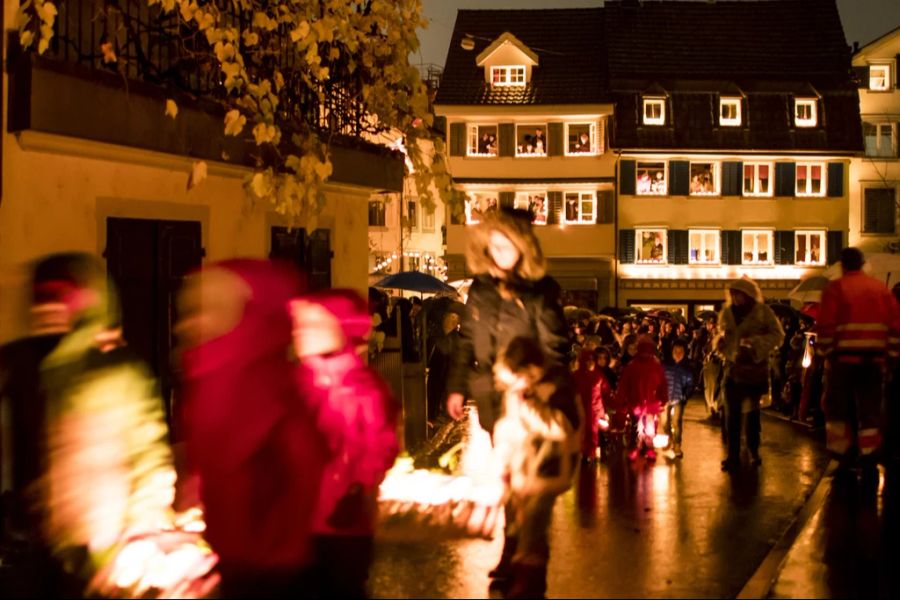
859 334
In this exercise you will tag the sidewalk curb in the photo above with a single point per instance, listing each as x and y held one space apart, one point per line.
760 583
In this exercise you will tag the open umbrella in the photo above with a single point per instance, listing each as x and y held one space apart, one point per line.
414 281
810 289
706 314
785 311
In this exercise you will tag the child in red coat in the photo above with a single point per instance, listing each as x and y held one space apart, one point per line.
643 390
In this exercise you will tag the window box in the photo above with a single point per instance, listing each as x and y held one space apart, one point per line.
810 179
805 112
531 140
879 139
756 247
479 203
581 139
651 246
651 179
535 203
579 207
809 248
704 247
508 75
758 179
730 112
704 179
482 140
879 78
654 111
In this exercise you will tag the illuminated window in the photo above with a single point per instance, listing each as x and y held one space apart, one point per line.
704 179
654 111
582 138
531 140
512 75
805 113
730 111
809 248
535 203
482 140
579 207
651 247
428 220
879 77
756 247
376 213
810 179
704 247
479 203
758 179
651 179
879 139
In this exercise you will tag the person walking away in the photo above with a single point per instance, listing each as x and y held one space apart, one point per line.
748 332
444 347
680 379
643 391
858 334
591 385
358 416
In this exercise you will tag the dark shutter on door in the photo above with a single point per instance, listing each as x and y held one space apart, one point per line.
731 178
507 199
627 177
679 178
626 246
678 246
457 139
555 207
861 74
606 206
835 245
835 180
784 247
785 174
507 133
555 139
731 247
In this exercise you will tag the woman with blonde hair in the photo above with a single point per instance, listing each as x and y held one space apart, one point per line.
511 296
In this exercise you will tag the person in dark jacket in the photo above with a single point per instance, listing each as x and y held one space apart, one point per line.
680 378
511 296
443 349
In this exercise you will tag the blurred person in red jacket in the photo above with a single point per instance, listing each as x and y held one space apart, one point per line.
643 390
250 436
358 416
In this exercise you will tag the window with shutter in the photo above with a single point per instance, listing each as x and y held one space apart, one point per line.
555 201
627 177
731 247
507 139
679 177
809 248
784 179
835 245
678 246
626 246
704 247
606 206
879 210
534 202
651 246
731 178
784 247
835 180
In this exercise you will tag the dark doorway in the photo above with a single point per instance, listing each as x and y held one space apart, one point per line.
311 253
148 260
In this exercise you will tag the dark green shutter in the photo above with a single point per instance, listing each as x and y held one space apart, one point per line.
440 125
835 245
896 78
507 199
626 246
606 206
679 178
732 178
678 247
554 201
861 74
627 176
785 179
555 139
835 180
731 247
507 133
784 247
457 139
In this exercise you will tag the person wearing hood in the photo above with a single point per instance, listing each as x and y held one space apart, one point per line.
356 412
680 378
643 391
250 436
91 464
748 332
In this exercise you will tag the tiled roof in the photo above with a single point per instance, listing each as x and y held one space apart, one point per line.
567 42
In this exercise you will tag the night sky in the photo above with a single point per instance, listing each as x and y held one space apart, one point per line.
864 20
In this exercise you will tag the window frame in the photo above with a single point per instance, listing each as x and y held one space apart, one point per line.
382 211
532 154
473 134
878 125
665 171
823 246
479 196
507 72
807 193
813 119
770 257
527 195
896 228
428 220
583 196
412 213
717 246
592 132
729 121
888 77
638 246
756 179
653 101
716 174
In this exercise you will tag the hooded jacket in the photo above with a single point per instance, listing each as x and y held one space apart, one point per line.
747 337
643 388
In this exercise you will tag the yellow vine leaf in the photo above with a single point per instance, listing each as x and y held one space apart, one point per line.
234 122
171 108
198 174
300 32
26 38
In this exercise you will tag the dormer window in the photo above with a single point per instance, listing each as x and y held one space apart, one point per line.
654 111
730 112
508 75
879 78
805 112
